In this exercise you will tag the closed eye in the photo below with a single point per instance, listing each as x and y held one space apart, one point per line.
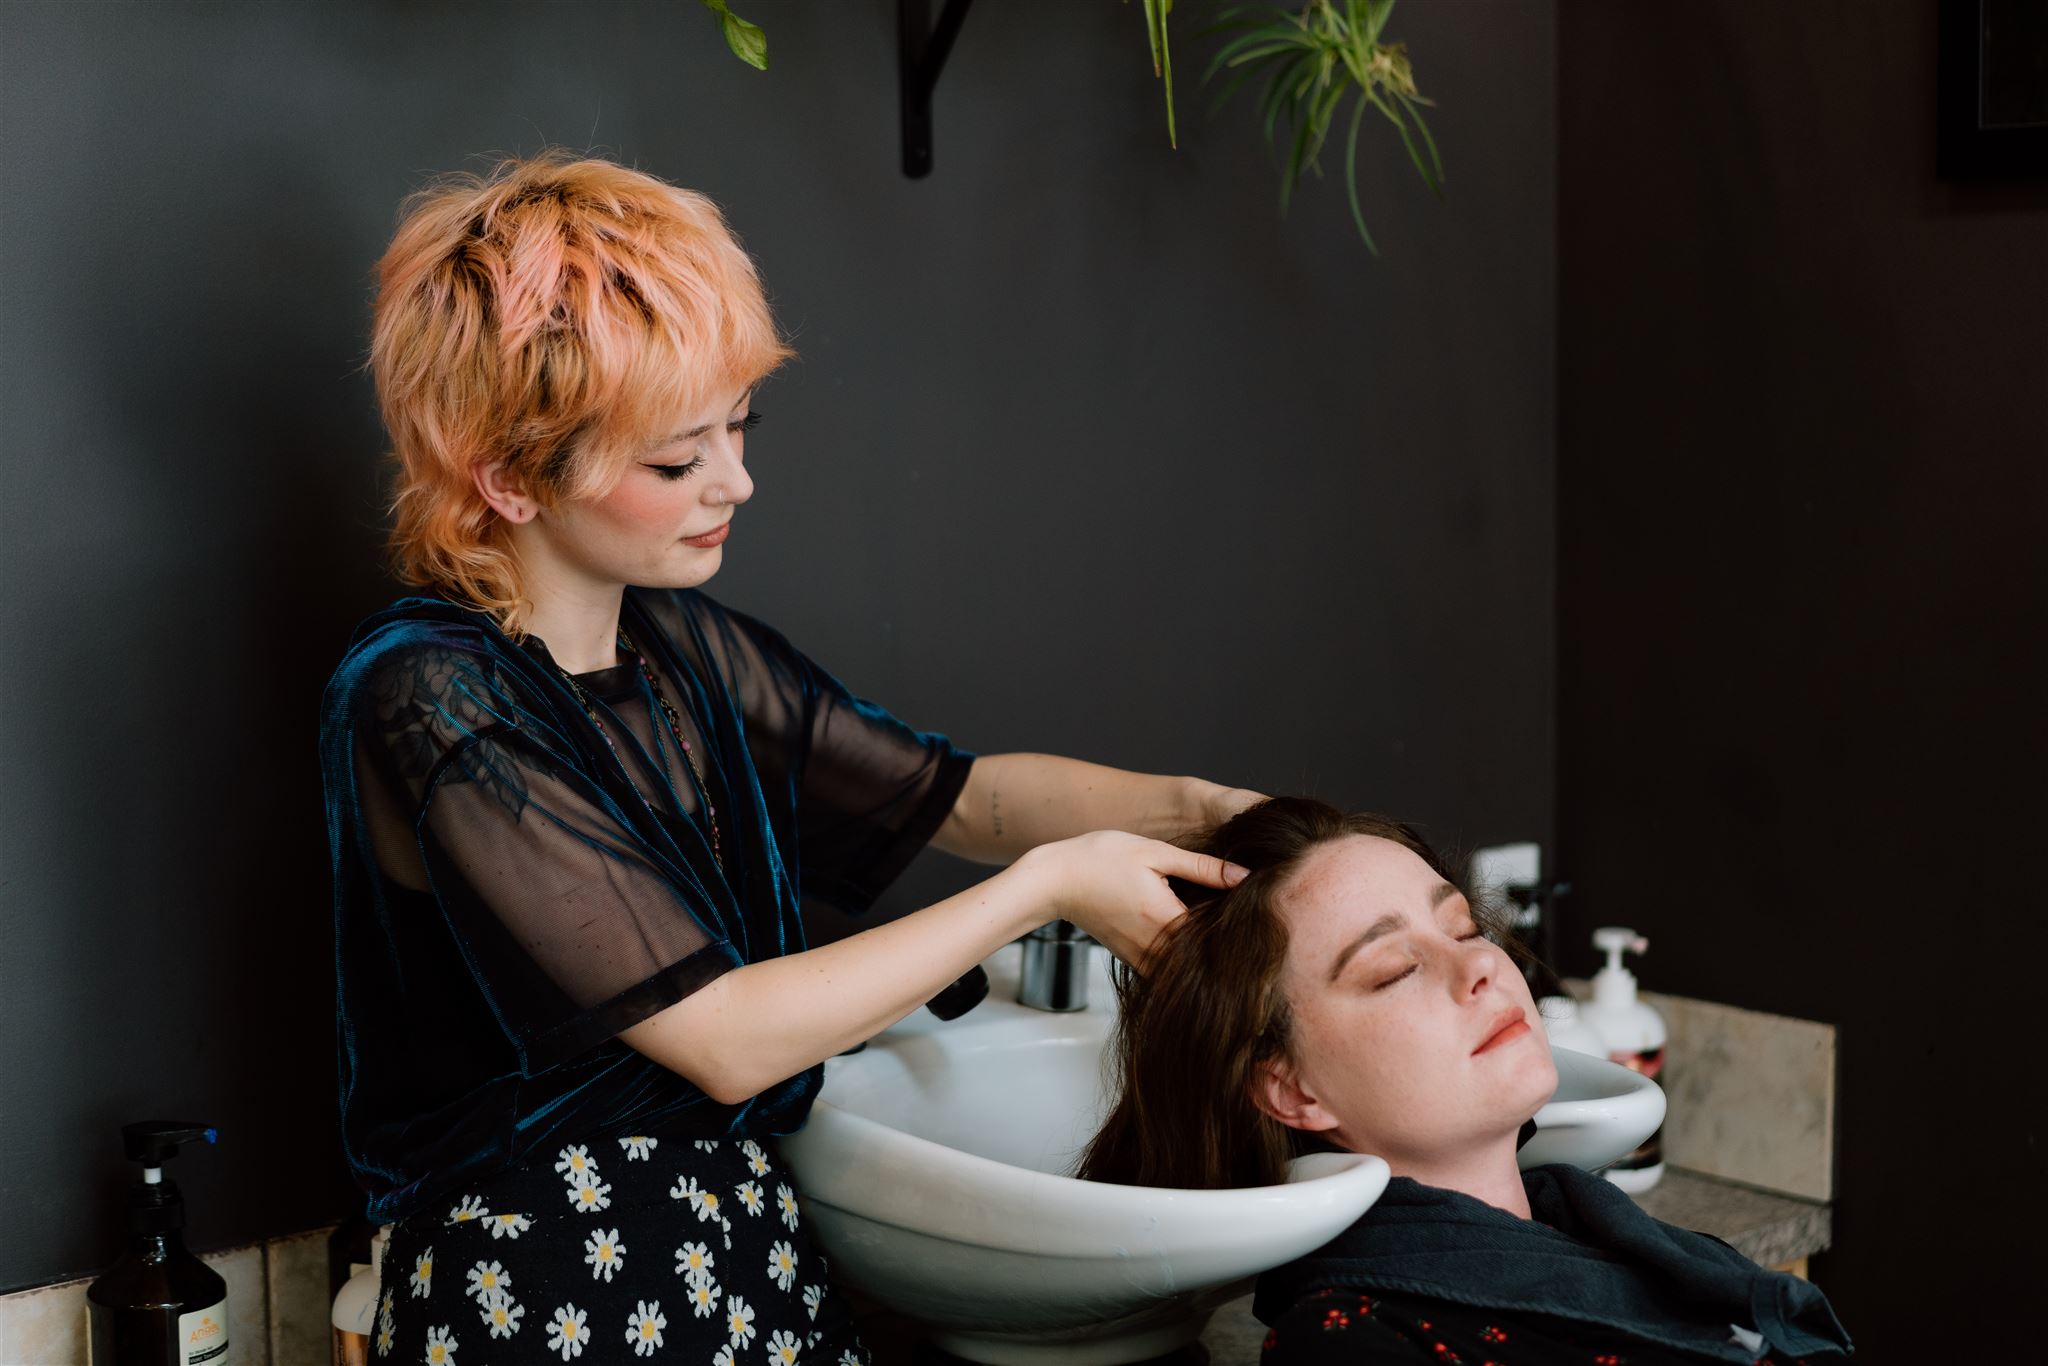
1384 983
677 471
738 427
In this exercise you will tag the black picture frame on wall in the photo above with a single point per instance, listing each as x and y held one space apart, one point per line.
1991 95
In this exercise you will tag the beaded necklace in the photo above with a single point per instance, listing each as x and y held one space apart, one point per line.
675 728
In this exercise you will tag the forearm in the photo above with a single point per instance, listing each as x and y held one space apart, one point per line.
763 1022
1015 802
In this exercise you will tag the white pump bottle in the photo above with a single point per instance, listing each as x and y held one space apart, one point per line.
1634 1036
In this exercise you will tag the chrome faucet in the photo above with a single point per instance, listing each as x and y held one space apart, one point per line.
1055 975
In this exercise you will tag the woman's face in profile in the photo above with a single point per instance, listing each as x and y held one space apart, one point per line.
1414 1036
684 485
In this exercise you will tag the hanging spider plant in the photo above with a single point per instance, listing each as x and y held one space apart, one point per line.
1313 58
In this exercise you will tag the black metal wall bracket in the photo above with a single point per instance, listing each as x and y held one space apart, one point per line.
921 49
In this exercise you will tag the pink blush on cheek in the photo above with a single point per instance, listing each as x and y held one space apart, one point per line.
643 506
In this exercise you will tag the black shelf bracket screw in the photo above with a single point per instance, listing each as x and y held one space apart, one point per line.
921 49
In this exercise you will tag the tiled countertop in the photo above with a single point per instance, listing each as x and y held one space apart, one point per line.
1768 1229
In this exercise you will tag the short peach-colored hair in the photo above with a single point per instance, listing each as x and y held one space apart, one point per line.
558 315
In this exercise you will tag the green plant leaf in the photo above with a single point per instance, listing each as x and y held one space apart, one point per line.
1351 172
1315 54
1414 154
1166 73
747 41
1278 93
1436 182
1254 47
1376 14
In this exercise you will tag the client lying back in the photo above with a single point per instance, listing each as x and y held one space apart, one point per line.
1350 995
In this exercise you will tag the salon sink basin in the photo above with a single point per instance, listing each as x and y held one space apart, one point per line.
935 1163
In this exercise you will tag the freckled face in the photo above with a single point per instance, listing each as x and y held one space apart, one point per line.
638 533
1392 988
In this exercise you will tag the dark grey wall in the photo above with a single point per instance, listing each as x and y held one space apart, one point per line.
1088 452
1801 586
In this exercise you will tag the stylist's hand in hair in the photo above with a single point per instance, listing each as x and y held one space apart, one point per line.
1113 885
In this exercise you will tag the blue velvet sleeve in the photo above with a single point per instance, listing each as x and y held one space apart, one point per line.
868 790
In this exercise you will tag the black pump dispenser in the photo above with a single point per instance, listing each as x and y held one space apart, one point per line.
158 1305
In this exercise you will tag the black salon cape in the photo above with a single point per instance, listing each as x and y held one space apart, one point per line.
1431 1275
477 1012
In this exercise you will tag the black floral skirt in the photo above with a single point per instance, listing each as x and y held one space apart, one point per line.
636 1249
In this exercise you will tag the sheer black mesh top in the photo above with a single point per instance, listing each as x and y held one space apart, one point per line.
511 890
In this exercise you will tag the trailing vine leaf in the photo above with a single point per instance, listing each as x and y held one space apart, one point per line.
747 41
1162 56
1313 56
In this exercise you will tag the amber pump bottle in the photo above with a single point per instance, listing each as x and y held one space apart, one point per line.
159 1305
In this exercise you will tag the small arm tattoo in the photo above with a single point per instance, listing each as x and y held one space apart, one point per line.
995 812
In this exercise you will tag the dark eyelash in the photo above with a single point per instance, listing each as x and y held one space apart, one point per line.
1395 978
1381 986
678 471
745 424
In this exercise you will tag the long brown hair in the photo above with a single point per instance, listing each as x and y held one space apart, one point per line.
1194 1032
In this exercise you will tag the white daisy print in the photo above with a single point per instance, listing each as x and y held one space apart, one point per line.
739 1321
782 1266
604 1254
786 1198
422 1278
440 1348
502 1313
705 1202
703 1297
470 1208
756 1159
389 1305
590 1199
565 1334
847 1358
643 1328
576 1164
814 1295
751 1197
509 1225
705 1145
638 1147
694 1262
783 1347
722 1357
485 1277
384 1334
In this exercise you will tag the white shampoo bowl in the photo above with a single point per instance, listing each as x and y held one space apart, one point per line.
933 1168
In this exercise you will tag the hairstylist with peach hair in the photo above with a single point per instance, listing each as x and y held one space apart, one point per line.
574 800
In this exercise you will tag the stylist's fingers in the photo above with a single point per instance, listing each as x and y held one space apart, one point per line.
1206 869
1158 906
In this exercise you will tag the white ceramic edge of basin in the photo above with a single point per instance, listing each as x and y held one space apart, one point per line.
1629 1104
964 1198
